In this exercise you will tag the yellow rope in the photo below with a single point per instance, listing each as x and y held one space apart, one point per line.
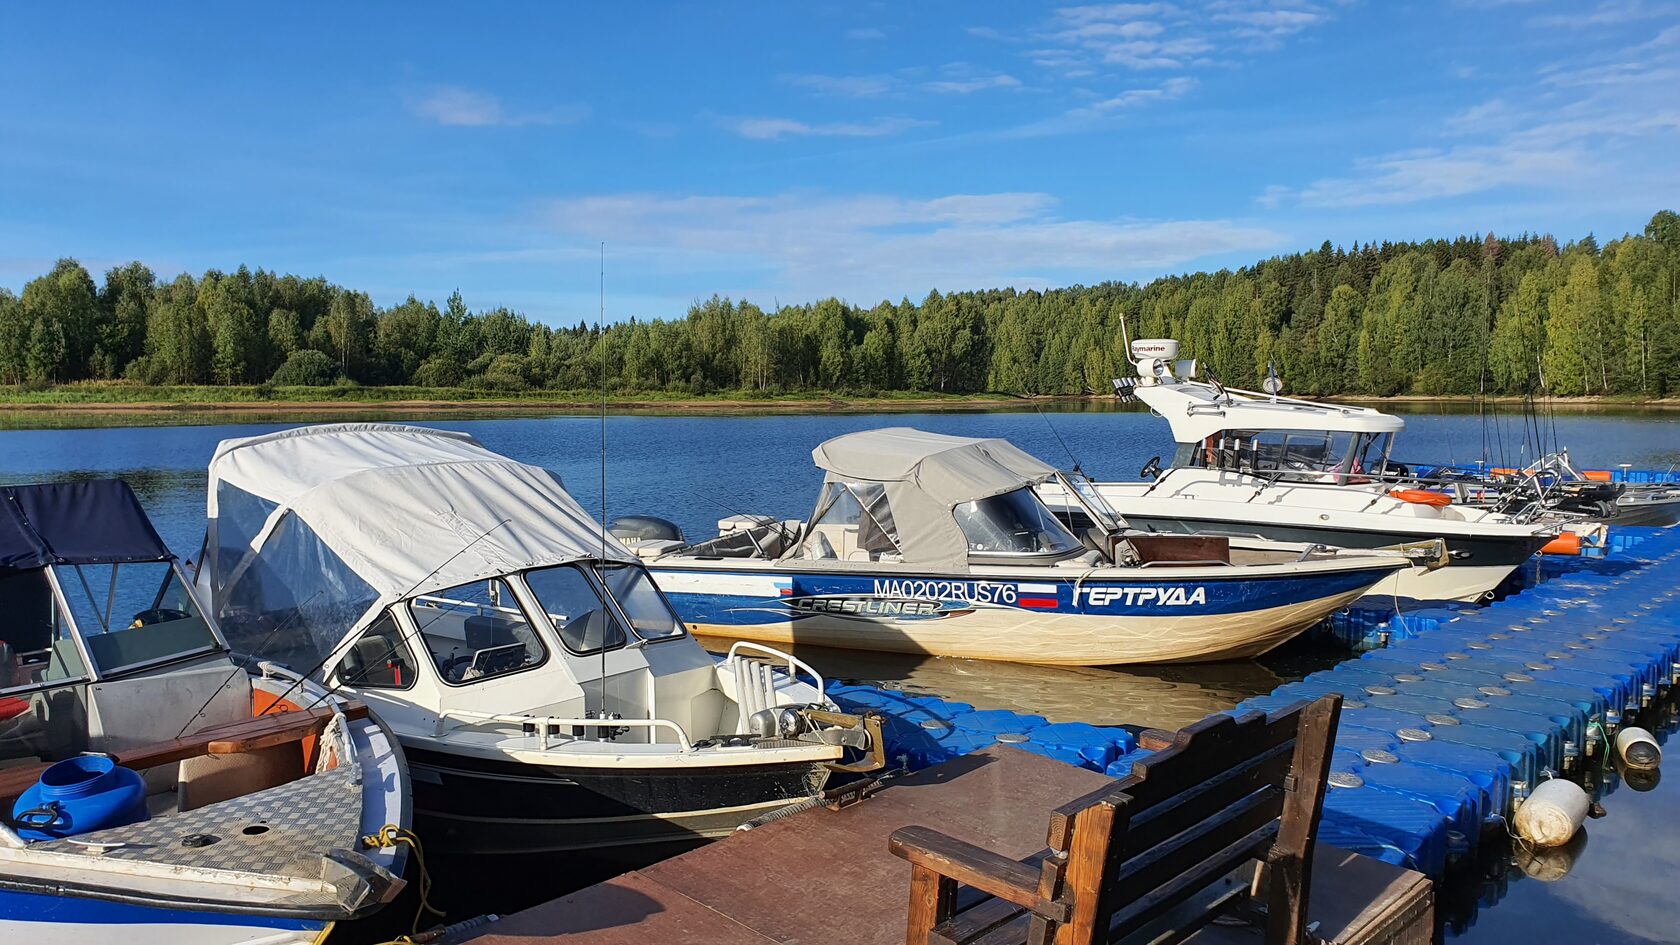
389 836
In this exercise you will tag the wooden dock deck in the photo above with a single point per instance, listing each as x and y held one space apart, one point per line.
827 877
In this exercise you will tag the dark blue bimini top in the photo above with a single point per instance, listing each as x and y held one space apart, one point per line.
94 522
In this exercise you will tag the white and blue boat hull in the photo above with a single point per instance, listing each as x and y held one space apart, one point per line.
1071 617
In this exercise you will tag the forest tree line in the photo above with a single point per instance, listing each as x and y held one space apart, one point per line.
1470 315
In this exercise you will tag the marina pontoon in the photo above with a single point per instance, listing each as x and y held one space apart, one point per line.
925 543
546 695
1260 465
158 791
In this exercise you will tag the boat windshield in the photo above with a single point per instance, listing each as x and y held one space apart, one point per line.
1095 505
1013 524
1297 455
133 614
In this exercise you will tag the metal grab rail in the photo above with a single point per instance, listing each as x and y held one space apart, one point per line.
795 665
543 724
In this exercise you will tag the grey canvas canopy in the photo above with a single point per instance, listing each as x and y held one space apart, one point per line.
925 476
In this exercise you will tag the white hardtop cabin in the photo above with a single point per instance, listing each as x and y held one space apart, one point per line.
1225 427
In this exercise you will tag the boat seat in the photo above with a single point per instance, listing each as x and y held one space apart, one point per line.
253 734
1182 550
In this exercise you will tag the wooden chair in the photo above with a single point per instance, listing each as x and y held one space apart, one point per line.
1225 792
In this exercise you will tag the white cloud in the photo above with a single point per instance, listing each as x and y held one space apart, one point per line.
1130 98
1606 13
870 246
1141 36
767 129
1601 125
966 86
459 107
849 86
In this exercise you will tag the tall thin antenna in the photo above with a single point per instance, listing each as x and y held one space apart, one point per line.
601 343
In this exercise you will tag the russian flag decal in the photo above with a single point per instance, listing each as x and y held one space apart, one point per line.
1037 596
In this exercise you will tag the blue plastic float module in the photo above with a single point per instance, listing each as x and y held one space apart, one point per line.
1438 727
927 730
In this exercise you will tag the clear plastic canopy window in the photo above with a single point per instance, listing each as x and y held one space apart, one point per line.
294 600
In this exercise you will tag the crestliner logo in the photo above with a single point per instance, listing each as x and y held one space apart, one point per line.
869 606
1140 595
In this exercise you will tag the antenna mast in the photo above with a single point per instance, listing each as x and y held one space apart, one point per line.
601 565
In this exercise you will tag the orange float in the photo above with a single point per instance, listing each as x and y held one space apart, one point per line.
1596 475
1567 543
1439 500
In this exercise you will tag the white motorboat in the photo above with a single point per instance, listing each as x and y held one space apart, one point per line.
925 543
545 693
1260 465
157 790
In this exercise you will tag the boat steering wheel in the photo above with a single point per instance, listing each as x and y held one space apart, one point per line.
1151 469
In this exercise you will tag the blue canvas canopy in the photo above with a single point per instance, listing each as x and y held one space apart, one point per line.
98 521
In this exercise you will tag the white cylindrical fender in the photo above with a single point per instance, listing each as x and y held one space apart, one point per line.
1637 749
1553 813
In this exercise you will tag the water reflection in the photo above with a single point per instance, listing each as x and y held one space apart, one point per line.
1168 697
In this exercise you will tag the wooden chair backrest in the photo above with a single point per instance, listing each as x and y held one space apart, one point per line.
1226 791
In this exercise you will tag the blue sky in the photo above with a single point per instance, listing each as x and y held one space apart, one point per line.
791 151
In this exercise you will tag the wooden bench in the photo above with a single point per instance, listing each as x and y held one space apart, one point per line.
1226 792
246 735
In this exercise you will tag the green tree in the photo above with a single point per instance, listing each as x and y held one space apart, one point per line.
1573 323
306 367
45 353
1519 338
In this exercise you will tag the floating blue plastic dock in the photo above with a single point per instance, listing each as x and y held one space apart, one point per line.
1446 727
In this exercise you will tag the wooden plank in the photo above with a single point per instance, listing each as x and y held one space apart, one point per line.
933 897
627 910
1162 898
1096 830
969 925
263 731
1202 801
1290 859
995 798
966 863
1157 866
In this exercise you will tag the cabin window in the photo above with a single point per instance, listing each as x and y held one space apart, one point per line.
36 646
133 614
651 616
380 659
476 631
575 605
853 523
1014 523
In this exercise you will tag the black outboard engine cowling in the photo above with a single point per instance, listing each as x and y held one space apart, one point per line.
644 528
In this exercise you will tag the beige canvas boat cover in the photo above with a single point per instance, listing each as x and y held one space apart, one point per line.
404 510
925 476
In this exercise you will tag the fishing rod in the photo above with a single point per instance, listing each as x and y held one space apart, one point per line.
262 645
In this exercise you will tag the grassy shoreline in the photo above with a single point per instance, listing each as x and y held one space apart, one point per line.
113 397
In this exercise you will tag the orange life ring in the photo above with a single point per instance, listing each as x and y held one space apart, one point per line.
1439 500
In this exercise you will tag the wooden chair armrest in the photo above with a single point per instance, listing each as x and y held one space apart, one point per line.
991 873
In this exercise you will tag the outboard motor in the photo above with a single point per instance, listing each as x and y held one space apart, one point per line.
644 528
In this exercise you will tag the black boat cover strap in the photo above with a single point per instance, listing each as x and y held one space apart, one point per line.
98 521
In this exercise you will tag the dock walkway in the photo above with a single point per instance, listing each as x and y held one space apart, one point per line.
827 877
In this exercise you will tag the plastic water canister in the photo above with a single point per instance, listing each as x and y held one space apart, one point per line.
1553 813
78 795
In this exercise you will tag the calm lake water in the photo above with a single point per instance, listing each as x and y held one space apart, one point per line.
697 469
